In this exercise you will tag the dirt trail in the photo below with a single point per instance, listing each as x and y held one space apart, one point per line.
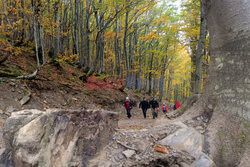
138 122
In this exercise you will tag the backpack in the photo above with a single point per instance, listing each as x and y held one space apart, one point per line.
164 108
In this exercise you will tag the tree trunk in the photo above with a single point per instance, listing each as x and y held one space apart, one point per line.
199 51
125 43
162 79
42 43
77 26
117 53
227 88
35 33
150 74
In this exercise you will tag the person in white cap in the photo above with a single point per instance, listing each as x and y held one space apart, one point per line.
128 107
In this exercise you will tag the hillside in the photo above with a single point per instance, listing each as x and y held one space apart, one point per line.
57 85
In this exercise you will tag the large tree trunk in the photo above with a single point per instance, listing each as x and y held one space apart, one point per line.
227 88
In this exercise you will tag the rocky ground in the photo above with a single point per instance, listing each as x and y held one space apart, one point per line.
161 142
134 142
66 137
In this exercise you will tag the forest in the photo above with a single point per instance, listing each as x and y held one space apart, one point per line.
158 47
124 83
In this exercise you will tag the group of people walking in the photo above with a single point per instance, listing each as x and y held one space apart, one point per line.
146 104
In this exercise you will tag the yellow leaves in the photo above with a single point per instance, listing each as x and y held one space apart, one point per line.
162 19
151 36
67 58
8 49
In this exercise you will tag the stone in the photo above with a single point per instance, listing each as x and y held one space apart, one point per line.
12 83
16 121
57 138
183 164
203 161
107 164
137 158
141 145
176 155
25 99
120 156
185 139
128 153
206 120
10 109
199 128
2 150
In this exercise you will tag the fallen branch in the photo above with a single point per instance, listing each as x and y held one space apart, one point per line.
5 74
124 145
31 76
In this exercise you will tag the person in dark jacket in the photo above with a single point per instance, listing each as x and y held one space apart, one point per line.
154 105
144 106
128 107
177 105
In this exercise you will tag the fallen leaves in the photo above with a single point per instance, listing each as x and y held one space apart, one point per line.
161 149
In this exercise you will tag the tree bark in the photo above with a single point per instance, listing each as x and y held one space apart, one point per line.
227 88
35 33
125 43
199 51
162 79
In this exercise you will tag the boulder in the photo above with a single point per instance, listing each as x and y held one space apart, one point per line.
16 121
128 153
57 137
185 139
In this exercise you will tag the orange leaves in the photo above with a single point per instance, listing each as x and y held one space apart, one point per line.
151 36
161 149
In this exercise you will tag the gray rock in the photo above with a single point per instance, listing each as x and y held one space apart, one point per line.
137 158
183 164
107 164
205 120
185 139
203 161
51 138
25 99
199 128
2 150
176 155
128 153
16 121
12 83
10 109
120 156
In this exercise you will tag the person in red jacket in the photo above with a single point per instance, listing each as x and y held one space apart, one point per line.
164 108
177 105
128 107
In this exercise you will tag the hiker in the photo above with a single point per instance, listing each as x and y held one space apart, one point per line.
144 106
128 107
164 108
154 105
177 105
